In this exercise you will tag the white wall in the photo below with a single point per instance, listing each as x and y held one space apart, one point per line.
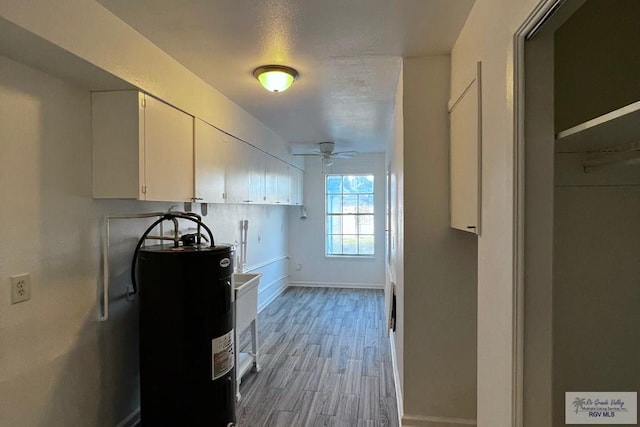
267 242
488 36
309 265
595 283
439 301
58 365
395 266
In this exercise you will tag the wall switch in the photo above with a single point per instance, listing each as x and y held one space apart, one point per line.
20 288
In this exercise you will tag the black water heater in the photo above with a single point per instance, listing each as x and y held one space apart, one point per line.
187 358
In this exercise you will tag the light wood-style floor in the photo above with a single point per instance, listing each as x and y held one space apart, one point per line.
325 361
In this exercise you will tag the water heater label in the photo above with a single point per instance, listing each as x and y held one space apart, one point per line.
224 262
222 355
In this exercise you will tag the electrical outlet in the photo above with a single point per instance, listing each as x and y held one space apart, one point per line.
20 288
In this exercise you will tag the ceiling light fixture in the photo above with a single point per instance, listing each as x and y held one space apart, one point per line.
275 78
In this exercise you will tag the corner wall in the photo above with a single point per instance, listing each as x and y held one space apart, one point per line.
395 239
439 312
488 36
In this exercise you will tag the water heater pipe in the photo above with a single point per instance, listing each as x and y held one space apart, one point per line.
104 314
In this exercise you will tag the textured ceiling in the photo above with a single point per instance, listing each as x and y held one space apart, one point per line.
348 54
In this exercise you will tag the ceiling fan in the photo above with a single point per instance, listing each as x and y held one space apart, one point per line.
325 150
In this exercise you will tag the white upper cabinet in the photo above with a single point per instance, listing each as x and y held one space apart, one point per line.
276 181
283 183
142 148
147 150
465 157
237 172
210 158
245 170
296 180
256 165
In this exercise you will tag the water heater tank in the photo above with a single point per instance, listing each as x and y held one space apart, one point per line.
186 336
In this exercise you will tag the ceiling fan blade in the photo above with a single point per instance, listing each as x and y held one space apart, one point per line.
346 153
309 154
342 156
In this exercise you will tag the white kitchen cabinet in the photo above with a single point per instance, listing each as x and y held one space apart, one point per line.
210 147
465 157
245 170
256 165
237 172
283 183
142 148
276 181
296 180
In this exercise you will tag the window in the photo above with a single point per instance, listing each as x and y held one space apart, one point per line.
349 207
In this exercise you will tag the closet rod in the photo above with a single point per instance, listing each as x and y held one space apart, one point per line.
627 154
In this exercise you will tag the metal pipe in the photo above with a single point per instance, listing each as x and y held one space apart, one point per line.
244 227
104 315
176 233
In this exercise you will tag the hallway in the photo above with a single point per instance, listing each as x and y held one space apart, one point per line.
325 361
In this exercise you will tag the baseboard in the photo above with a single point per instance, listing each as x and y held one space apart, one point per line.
423 421
273 297
338 285
133 419
264 287
396 375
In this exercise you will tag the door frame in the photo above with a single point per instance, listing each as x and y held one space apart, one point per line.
538 15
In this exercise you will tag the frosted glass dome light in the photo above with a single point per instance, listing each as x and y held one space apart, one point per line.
275 78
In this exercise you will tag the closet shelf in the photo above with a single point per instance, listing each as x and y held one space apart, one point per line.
618 127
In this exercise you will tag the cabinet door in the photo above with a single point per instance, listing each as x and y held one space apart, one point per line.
270 179
296 177
276 181
282 183
465 134
209 163
256 160
168 153
117 127
237 172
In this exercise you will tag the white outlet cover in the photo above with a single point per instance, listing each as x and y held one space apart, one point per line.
20 288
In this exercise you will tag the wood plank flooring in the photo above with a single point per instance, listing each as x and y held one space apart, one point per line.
325 361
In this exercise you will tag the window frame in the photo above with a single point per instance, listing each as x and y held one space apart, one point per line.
328 215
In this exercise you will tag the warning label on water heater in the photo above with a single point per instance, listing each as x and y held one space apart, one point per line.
222 355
